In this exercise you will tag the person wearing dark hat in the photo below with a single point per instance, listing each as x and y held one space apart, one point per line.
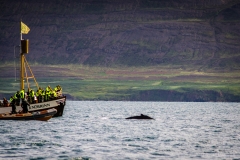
25 105
13 104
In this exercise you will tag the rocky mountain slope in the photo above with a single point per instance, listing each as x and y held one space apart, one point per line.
191 33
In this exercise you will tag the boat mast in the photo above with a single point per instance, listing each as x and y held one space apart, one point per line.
21 62
24 46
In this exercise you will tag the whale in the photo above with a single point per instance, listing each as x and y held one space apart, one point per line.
142 116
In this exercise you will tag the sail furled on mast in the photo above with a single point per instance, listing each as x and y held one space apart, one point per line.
24 28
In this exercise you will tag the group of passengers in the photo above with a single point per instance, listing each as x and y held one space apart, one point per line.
34 97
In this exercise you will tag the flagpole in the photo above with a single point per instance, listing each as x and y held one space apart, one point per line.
21 62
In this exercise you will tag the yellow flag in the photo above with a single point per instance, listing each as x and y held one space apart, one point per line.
24 28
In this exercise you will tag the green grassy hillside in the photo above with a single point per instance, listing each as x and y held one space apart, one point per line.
159 83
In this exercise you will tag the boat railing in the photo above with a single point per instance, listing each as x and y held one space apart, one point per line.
38 99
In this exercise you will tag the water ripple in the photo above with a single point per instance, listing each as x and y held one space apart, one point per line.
99 130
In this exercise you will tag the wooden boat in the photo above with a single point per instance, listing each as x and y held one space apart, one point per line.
43 115
25 74
57 104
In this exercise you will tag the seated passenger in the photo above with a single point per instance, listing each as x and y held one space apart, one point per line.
5 102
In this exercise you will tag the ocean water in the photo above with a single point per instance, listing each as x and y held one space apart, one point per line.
99 130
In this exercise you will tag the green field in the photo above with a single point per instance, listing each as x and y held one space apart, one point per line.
100 83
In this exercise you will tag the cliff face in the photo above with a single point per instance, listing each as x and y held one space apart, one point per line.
200 34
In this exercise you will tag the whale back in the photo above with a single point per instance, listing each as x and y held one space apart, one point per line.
140 117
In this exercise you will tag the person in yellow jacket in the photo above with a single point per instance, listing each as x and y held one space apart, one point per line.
56 89
59 91
11 99
43 95
51 94
37 94
40 95
13 104
31 95
54 94
17 97
47 95
22 94
48 88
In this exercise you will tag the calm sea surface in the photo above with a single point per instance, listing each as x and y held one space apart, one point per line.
99 130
